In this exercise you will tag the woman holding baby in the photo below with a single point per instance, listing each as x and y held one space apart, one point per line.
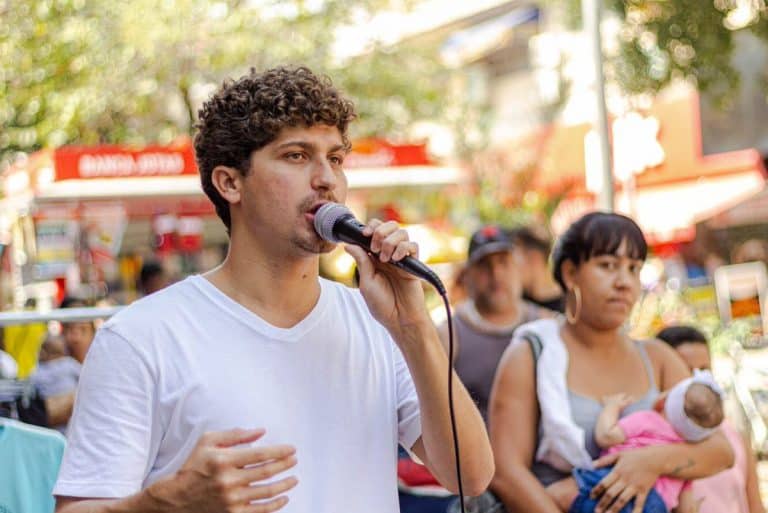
551 383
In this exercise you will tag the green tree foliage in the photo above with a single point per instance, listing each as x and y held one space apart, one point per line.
135 71
664 40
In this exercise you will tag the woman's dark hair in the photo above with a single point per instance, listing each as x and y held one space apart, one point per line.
595 234
678 335
247 114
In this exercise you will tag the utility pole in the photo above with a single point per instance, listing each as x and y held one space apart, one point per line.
591 13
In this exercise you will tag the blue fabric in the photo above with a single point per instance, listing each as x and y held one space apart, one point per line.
29 463
587 479
410 503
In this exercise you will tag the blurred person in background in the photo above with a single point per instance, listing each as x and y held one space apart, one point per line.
56 379
539 286
546 397
485 322
735 490
78 335
152 277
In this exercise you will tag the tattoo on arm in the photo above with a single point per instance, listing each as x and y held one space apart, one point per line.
679 468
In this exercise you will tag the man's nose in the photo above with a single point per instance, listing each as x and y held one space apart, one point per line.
498 271
324 176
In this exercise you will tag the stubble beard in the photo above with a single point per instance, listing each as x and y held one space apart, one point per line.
495 303
313 244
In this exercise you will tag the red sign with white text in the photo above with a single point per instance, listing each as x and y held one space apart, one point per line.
380 153
82 162
113 161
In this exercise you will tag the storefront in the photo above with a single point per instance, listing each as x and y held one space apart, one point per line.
85 217
662 178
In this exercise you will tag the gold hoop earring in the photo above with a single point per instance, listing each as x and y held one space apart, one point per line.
573 318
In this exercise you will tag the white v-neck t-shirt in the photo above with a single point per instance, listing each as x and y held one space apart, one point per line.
189 359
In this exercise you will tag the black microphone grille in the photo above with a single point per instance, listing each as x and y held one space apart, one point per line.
326 216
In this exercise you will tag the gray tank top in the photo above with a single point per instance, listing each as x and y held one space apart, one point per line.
585 410
479 354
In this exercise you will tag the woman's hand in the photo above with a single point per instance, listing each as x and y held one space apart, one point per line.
633 476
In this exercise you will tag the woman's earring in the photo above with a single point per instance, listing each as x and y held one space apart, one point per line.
573 318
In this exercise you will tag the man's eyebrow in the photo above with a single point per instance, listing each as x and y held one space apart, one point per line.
309 146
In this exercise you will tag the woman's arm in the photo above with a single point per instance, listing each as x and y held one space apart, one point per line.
513 419
690 461
635 472
671 369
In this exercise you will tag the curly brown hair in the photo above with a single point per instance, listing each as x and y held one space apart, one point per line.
245 115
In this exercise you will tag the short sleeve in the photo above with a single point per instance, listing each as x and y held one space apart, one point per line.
110 433
408 412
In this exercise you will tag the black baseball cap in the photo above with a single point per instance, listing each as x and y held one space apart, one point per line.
488 240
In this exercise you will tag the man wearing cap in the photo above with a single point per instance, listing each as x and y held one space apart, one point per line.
485 321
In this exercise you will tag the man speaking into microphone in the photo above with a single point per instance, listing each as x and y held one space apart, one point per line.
259 386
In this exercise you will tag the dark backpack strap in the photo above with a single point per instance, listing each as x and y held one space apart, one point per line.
536 345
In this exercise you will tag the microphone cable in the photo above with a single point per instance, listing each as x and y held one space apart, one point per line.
451 411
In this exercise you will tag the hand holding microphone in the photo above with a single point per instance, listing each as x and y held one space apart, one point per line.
336 223
394 301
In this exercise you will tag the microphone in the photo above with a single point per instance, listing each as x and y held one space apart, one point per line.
336 223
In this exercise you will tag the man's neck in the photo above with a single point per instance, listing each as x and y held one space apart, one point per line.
280 289
507 316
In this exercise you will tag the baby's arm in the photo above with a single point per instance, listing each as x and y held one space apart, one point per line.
607 431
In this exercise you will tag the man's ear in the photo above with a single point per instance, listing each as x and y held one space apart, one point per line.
228 182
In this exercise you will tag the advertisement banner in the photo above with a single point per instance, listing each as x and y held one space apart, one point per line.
111 161
103 226
56 244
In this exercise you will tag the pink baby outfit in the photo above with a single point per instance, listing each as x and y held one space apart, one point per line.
648 428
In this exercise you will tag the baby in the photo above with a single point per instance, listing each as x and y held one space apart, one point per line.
690 412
